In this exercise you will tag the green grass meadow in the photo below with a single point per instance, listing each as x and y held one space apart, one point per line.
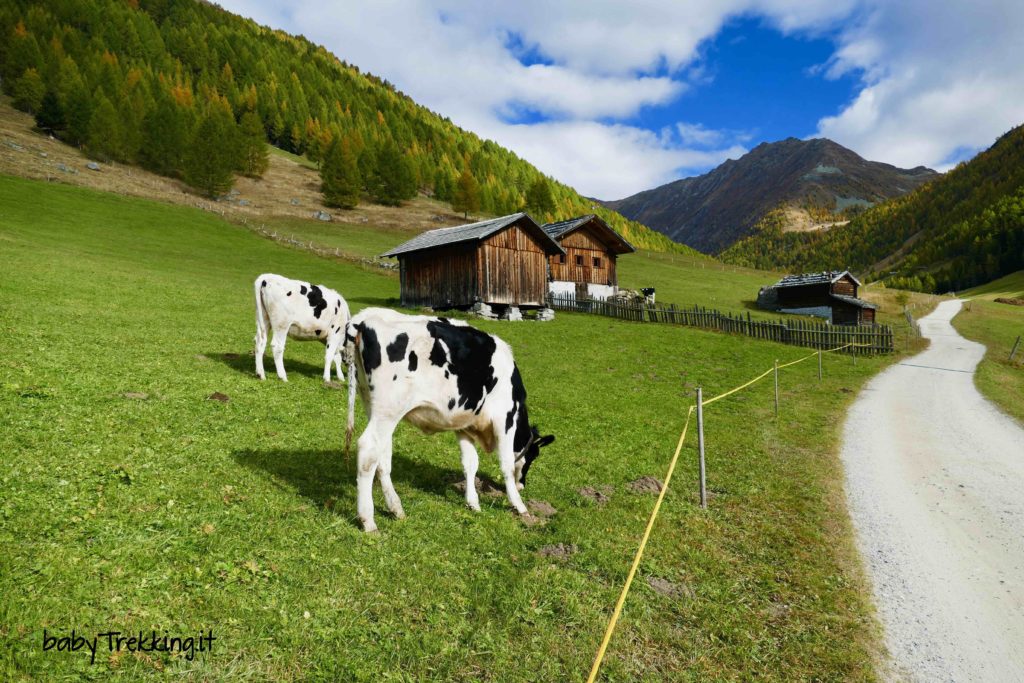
129 501
997 326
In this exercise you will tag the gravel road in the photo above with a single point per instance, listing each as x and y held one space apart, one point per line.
935 485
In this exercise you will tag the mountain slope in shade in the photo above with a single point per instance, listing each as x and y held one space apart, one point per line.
820 178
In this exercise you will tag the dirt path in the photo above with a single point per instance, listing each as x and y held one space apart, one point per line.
935 483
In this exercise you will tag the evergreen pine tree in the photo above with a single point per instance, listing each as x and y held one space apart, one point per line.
339 173
105 139
164 138
442 185
466 197
50 117
539 201
255 155
394 180
78 111
212 154
28 91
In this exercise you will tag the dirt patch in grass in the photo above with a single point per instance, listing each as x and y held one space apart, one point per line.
484 487
645 485
1009 300
599 495
558 551
217 396
541 508
669 589
136 395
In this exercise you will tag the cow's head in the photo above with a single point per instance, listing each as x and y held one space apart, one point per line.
529 454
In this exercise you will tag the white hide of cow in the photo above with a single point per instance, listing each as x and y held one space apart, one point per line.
302 311
438 375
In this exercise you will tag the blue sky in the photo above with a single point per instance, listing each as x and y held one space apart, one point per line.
614 97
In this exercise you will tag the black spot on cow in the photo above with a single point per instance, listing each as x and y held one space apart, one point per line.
396 349
370 350
395 377
444 320
288 294
318 333
302 290
446 374
316 300
470 353
413 361
437 355
522 437
451 403
264 284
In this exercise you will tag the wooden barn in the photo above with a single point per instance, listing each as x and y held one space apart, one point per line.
587 266
831 295
499 261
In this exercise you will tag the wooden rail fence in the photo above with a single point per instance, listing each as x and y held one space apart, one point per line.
868 339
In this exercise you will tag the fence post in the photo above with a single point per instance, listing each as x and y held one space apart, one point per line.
819 365
1014 350
776 387
700 448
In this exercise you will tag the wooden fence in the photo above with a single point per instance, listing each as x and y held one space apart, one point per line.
870 339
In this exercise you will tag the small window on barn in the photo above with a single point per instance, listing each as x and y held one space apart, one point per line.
579 260
597 261
561 258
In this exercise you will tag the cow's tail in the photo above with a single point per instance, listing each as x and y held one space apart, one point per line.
350 353
262 320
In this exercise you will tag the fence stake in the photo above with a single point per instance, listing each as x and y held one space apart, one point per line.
819 365
700 448
1014 350
776 387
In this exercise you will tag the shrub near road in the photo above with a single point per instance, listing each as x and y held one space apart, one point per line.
133 502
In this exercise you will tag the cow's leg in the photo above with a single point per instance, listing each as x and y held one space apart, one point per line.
376 436
507 461
261 348
470 462
277 344
329 353
384 472
338 366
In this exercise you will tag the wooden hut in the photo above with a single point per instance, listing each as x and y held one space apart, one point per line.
831 295
499 261
587 268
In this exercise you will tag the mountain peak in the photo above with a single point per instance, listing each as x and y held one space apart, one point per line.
817 176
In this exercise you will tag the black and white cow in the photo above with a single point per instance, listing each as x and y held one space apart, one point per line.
438 375
296 309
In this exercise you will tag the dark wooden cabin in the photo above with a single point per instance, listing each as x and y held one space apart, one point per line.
831 295
499 261
587 268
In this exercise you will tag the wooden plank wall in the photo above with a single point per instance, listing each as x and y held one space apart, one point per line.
511 268
440 277
844 286
582 243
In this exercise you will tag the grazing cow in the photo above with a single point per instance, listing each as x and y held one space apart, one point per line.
296 309
648 293
438 375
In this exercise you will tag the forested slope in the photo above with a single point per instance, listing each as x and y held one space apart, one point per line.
178 84
958 231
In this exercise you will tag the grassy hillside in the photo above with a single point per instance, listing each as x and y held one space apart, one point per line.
997 326
131 501
137 82
961 230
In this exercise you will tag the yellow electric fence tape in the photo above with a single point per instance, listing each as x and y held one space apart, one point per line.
657 506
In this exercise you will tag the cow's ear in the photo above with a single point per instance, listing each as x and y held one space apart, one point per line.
545 440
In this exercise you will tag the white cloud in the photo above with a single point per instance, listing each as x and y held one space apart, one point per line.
936 77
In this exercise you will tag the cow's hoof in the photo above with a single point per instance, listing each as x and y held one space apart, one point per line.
400 514
475 507
370 528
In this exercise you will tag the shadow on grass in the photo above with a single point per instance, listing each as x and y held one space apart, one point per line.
245 363
385 302
328 478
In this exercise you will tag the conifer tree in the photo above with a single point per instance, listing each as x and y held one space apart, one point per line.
165 135
50 117
212 154
78 112
28 91
339 173
105 140
255 155
394 180
466 197
539 201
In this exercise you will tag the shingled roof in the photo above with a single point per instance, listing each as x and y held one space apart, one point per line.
829 276
612 239
475 232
